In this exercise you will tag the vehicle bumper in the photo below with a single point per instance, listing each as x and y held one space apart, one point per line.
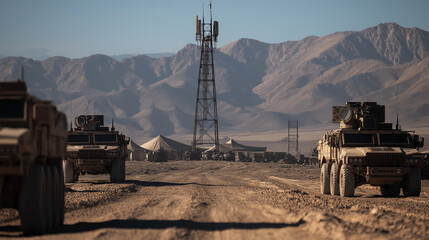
7 167
378 176
11 171
91 166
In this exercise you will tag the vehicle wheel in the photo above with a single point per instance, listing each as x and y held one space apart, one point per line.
324 179
68 171
32 201
390 190
49 199
61 189
55 196
118 167
75 176
334 182
122 171
412 183
347 181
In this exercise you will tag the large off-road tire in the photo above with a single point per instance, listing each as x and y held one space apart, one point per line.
390 190
334 181
61 195
68 171
75 176
412 183
347 181
32 201
49 199
123 170
55 196
324 179
117 174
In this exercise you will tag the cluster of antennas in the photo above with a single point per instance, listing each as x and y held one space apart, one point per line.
203 29
360 115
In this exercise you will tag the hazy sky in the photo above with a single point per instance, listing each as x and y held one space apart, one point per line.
79 28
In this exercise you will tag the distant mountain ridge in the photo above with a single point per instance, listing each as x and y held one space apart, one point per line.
259 85
118 57
121 57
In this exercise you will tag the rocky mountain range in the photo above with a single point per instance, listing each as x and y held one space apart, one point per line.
259 85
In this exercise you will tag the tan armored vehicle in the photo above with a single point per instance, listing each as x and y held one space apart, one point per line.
94 149
366 150
32 144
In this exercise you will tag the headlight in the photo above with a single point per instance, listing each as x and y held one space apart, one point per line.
112 154
355 160
8 149
72 154
413 160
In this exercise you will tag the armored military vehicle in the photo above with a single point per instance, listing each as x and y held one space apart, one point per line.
32 143
94 149
195 155
366 150
228 156
160 155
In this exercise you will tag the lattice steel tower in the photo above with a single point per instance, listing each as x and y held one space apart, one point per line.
292 139
206 121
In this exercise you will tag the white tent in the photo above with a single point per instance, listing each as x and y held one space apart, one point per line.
135 152
165 143
222 148
234 146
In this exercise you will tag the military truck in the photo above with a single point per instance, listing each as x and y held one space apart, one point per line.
366 150
160 155
94 149
229 156
32 143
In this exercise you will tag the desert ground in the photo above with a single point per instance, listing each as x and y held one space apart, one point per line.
228 200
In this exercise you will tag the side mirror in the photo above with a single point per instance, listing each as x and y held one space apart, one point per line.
421 142
418 141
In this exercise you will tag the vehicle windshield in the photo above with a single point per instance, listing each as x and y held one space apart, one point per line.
358 138
78 138
394 138
105 138
12 108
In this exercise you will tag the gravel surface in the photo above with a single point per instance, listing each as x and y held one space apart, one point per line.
227 200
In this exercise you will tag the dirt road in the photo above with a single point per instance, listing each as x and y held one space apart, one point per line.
224 200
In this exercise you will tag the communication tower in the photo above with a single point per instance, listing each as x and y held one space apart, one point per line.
292 139
206 121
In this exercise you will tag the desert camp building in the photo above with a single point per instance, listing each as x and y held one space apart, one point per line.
136 153
163 149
